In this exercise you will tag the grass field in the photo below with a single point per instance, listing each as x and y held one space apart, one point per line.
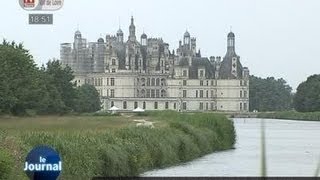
113 145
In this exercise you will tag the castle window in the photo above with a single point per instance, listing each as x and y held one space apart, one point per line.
241 94
112 81
196 93
201 83
245 83
113 70
184 93
207 94
112 93
184 82
125 105
148 93
144 105
207 106
240 106
163 81
245 94
143 93
143 82
212 94
184 106
163 93
155 105
245 106
167 105
157 93
201 106
107 81
201 93
174 105
207 83
148 82
152 93
157 82
112 103
211 82
152 82
241 83
135 105
201 73
113 62
184 73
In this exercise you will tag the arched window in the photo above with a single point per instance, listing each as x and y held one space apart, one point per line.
157 82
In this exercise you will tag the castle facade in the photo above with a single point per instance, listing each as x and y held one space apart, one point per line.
145 73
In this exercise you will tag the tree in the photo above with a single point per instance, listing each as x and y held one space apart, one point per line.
307 97
60 78
269 94
88 99
18 84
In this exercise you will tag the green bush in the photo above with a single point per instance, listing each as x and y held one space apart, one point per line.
6 164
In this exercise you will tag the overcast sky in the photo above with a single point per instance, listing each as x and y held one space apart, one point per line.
277 38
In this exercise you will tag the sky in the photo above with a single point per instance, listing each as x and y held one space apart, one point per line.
278 38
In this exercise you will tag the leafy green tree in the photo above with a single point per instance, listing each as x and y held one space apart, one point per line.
60 78
18 84
88 99
269 94
307 97
51 101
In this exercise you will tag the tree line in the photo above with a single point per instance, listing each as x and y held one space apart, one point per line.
270 94
45 90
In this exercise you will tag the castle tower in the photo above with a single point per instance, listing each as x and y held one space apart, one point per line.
132 30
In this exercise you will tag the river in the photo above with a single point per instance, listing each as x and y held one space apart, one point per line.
292 149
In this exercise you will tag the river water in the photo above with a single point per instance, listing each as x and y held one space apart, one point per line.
292 149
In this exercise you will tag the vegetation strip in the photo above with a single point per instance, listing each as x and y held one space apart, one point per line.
123 151
293 115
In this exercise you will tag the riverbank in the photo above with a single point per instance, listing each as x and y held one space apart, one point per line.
293 115
115 146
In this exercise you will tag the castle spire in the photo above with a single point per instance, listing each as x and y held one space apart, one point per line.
132 30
